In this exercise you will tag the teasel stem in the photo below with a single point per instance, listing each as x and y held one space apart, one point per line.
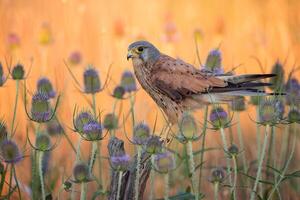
152 178
132 109
241 141
270 150
83 191
17 182
262 156
258 141
78 152
137 178
119 184
235 176
113 132
216 190
192 168
3 175
167 186
41 154
222 131
10 181
15 106
203 144
93 156
284 146
282 174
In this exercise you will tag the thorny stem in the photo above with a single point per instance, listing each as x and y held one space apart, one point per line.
15 107
3 175
166 180
93 156
284 146
17 182
258 141
10 181
226 149
152 177
241 141
203 144
263 152
192 168
83 191
137 178
41 154
216 190
270 150
119 184
235 176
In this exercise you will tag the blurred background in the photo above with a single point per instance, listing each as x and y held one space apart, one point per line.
42 35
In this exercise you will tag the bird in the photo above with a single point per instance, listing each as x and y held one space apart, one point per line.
177 86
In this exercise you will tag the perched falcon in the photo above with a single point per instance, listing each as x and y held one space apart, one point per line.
177 86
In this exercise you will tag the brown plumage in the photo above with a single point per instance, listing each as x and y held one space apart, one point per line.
176 85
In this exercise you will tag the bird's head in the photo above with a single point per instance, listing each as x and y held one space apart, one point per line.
143 51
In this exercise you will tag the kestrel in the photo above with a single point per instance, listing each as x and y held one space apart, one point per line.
177 86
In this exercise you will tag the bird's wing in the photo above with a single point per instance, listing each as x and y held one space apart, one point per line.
178 79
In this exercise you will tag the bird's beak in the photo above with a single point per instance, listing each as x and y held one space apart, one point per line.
129 55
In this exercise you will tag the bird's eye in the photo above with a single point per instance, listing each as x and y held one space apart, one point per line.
140 49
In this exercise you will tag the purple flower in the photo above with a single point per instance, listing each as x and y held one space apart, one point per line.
92 130
81 120
213 62
141 133
164 162
120 163
293 92
270 111
9 152
154 145
119 92
81 173
217 175
75 58
128 81
92 82
40 107
45 86
219 117
110 122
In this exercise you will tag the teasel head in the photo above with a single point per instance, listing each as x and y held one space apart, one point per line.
81 119
188 128
120 162
40 108
2 76
119 92
270 111
9 152
54 128
292 89
219 118
75 58
141 133
238 104
43 142
92 83
110 122
154 145
45 86
233 151
164 162
18 72
218 175
277 82
81 173
3 131
294 116
92 131
213 62
128 82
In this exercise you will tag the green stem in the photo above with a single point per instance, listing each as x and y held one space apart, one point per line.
119 184
83 191
10 181
226 150
3 175
41 153
203 144
241 141
137 178
235 177
258 140
270 150
15 107
166 181
216 191
101 180
17 182
152 177
192 168
284 146
93 156
263 152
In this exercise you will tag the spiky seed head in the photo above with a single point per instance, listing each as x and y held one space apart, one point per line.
92 83
75 58
18 72
217 175
294 116
277 81
3 131
10 152
233 150
42 142
270 111
110 122
214 62
188 126
218 117
164 162
40 107
92 130
128 82
119 92
292 89
154 145
238 104
141 133
2 78
54 128
121 162
81 172
82 119
45 86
